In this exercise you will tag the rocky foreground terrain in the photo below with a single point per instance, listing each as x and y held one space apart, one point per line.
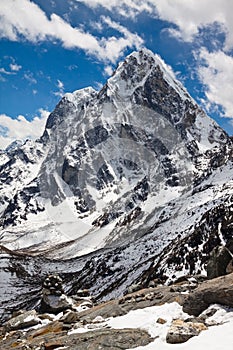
153 316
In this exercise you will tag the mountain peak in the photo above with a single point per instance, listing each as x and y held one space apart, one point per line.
81 95
112 159
139 67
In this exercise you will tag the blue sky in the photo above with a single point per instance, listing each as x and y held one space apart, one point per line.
50 47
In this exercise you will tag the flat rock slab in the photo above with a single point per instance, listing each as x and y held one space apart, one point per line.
105 339
24 320
138 300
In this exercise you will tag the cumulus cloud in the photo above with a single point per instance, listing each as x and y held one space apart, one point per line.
24 19
15 67
21 128
4 71
188 16
215 71
124 7
108 70
115 46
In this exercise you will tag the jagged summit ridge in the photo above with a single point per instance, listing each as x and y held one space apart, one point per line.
139 65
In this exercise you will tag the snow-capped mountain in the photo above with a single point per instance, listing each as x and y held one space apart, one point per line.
136 175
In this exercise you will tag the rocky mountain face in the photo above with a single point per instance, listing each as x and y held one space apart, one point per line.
127 185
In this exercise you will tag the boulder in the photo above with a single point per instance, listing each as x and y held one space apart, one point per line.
83 293
50 328
181 331
53 336
217 264
23 320
161 320
70 317
216 291
52 285
134 288
229 268
55 304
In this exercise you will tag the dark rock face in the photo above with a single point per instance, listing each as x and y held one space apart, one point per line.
187 252
95 136
218 262
55 118
104 177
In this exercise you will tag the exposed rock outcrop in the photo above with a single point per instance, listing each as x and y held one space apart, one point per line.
22 320
54 335
181 331
218 290
93 328
220 257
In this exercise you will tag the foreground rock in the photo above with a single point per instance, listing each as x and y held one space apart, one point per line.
181 331
55 301
23 320
53 336
137 300
55 304
91 329
216 291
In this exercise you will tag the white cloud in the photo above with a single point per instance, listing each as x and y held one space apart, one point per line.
215 70
72 67
30 78
4 71
192 15
124 7
108 70
60 86
15 67
21 128
188 15
24 19
113 47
